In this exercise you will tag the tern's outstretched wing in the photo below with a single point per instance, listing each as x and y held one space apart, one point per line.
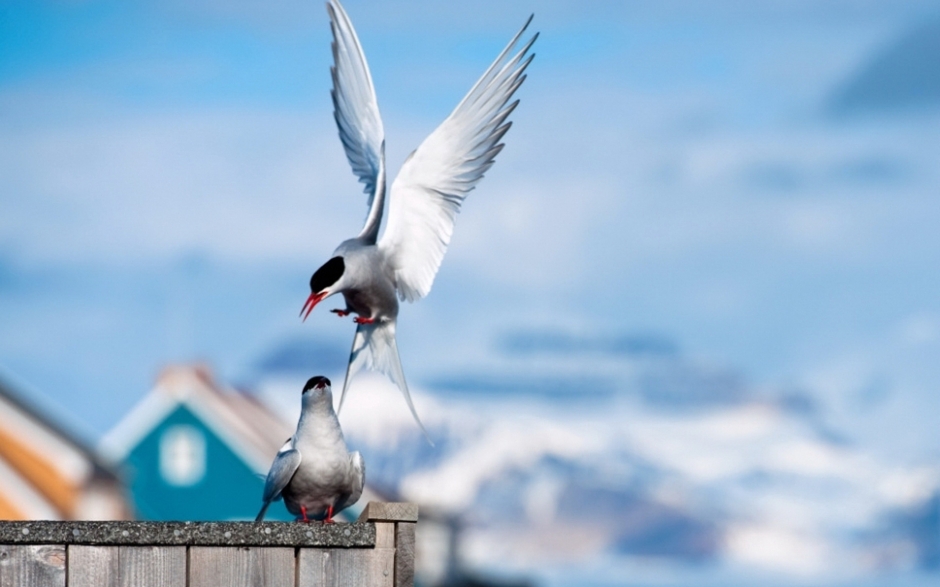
374 347
282 470
357 115
436 178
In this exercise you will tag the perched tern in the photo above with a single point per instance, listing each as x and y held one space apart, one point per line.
314 472
372 273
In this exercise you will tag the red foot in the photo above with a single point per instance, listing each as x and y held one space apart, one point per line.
340 313
329 516
303 512
361 320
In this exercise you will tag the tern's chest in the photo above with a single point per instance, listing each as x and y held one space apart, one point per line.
370 291
318 483
324 460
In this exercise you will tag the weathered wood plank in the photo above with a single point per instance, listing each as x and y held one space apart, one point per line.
311 567
346 568
377 511
152 566
35 566
126 566
92 565
241 567
384 535
404 554
351 568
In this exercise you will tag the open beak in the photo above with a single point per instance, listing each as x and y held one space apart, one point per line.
312 301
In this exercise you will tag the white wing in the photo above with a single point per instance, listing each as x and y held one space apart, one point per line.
357 114
436 177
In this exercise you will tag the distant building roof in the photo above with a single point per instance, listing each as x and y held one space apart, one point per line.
48 473
252 431
195 449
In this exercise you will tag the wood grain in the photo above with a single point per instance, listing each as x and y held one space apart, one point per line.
379 511
384 535
346 568
126 566
405 554
32 565
241 567
311 567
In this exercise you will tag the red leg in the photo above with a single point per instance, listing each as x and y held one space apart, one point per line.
340 313
361 320
303 512
329 516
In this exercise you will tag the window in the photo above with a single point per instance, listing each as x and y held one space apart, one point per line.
182 455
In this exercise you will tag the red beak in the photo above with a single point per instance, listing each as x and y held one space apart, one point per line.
312 301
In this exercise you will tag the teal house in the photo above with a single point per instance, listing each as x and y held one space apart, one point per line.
194 450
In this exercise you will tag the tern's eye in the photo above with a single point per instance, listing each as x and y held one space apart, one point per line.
327 275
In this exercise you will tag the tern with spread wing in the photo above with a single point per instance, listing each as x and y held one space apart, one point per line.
371 272
314 472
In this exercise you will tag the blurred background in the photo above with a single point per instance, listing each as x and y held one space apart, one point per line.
687 331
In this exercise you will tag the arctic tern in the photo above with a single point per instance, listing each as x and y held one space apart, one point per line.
372 273
314 472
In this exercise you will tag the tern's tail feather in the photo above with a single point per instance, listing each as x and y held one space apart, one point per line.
264 508
374 348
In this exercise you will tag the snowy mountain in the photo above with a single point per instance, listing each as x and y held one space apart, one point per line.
564 452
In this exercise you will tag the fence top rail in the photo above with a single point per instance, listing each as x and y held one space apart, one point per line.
125 533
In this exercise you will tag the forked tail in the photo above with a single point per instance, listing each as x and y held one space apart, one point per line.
264 509
374 348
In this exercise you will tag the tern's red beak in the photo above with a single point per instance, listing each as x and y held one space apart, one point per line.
312 301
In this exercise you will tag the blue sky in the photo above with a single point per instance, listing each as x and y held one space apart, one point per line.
170 176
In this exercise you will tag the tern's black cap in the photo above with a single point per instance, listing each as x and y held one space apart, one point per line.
327 275
319 380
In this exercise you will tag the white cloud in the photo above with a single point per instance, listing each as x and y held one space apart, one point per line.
919 329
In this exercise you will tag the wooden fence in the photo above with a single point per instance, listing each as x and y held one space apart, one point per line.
377 550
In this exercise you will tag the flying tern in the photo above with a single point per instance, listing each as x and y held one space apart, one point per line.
373 272
314 472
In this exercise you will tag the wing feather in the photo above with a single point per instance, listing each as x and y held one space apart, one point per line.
356 111
282 471
359 477
428 192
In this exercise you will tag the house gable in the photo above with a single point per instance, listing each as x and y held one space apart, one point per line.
183 470
46 472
